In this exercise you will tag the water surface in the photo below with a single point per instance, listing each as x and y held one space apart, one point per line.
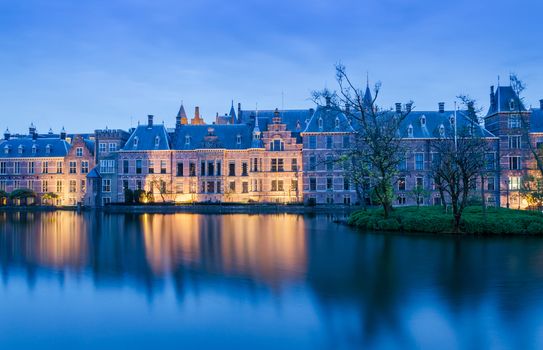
99 281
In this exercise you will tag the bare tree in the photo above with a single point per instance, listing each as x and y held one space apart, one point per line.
378 140
460 161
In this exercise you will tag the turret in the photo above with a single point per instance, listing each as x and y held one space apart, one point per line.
7 134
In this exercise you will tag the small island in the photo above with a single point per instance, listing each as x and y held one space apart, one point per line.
434 219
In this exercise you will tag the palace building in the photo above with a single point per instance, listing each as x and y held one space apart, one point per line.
265 156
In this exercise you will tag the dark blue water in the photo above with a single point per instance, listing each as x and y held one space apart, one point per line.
259 281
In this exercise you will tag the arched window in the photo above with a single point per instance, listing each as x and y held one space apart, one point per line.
423 120
136 141
157 141
441 130
451 120
320 123
512 105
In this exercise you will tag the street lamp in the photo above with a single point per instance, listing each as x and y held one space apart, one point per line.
507 182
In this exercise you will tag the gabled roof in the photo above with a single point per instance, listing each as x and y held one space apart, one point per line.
328 119
501 102
146 136
57 147
223 136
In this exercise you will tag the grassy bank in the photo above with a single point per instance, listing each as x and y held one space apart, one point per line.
499 221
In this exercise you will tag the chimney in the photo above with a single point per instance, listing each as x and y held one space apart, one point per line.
541 104
196 112
7 134
178 120
441 107
150 121
398 107
63 134
31 129
408 107
328 99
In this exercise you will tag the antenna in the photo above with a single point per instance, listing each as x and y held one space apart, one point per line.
282 102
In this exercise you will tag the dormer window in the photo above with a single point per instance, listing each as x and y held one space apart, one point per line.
337 122
34 149
136 141
441 130
451 120
423 120
6 149
298 125
410 131
20 149
187 140
320 123
157 141
512 105
238 139
48 149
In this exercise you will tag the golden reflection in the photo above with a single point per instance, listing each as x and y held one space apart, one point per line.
265 247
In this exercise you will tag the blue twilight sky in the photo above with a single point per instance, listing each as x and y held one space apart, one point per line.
91 64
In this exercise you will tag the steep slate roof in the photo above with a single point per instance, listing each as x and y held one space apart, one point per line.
328 114
59 148
536 120
434 119
502 98
146 138
225 136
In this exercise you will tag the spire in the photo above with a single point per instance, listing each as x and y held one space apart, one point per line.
181 116
257 142
368 99
232 114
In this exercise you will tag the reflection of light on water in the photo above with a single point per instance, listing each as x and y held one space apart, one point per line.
61 241
259 246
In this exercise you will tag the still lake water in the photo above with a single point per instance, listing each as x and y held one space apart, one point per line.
99 281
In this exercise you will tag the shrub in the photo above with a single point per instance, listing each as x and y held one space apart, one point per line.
128 196
535 228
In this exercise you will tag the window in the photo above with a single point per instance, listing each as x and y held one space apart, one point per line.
346 184
44 186
59 186
136 141
329 163
312 184
179 187
20 149
218 187
3 167
139 166
337 122
107 166
102 147
329 183
423 120
346 141
294 185
45 167
329 142
163 167
410 131
211 187
17 167
277 145
47 149
401 200
187 140
72 186
31 168
273 165
244 169
238 139
312 163
73 167
157 142
231 169
59 167
106 201
280 185
419 182
419 161
514 182
294 164
151 167
106 185
514 121
232 186
312 142
219 171
210 168
514 141
202 168
125 166
490 186
244 187
490 161
192 169
79 152
512 105
112 147
401 184
320 123
514 163
125 185
34 149
84 167
139 185
179 170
